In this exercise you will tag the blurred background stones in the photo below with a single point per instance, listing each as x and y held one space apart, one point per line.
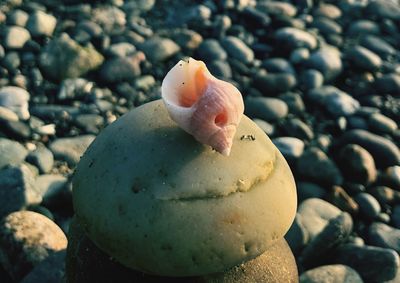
321 78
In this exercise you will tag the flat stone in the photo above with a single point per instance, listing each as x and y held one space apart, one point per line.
237 49
266 108
337 273
328 61
26 239
42 158
7 114
15 37
71 149
357 164
384 151
64 58
316 214
11 153
159 49
384 236
363 58
16 99
373 264
41 24
316 166
295 38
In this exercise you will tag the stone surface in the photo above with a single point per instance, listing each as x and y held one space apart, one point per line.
50 270
290 147
335 273
16 37
16 99
363 58
272 84
11 153
266 108
297 236
42 158
295 38
327 60
385 236
119 69
159 49
26 239
368 205
64 58
17 189
210 50
237 49
71 149
41 24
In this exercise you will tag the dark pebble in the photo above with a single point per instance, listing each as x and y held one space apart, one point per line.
273 84
385 236
266 108
369 207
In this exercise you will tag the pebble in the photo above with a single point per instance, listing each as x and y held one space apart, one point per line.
121 49
139 6
272 84
337 273
7 114
11 61
372 263
315 165
41 24
327 10
211 50
294 101
220 69
16 130
363 58
187 38
50 270
17 189
385 195
357 164
278 65
277 8
384 236
42 158
71 149
64 58
144 83
158 49
306 190
381 124
384 151
316 214
299 129
90 123
265 108
362 27
378 45
369 207
18 18
388 84
16 99
237 49
11 153
256 17
265 126
321 246
50 184
26 239
291 147
326 26
396 216
299 55
384 9
297 236
295 38
341 199
109 17
328 61
15 37
311 79
74 88
119 69
392 176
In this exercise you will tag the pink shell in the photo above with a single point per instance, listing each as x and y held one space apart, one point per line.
204 106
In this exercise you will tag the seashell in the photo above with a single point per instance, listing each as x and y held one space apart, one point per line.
207 108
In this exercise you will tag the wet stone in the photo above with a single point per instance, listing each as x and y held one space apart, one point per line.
380 123
272 84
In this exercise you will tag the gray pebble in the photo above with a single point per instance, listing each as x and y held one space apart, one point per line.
121 68
71 149
16 130
42 158
362 27
11 61
278 65
64 58
388 84
16 99
265 126
15 37
297 236
159 49
299 55
272 84
49 185
326 60
385 236
295 38
316 214
41 24
277 8
211 50
90 123
372 263
109 17
297 128
384 9
327 10
18 18
357 164
384 151
316 166
7 114
144 83
220 69
382 124
321 246
11 153
26 239
121 49
139 6
378 45
17 189
369 207
237 49
294 101
74 88
290 147
311 79
326 26
337 273
186 38
266 108
363 58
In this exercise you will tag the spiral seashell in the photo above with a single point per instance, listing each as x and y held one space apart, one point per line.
207 108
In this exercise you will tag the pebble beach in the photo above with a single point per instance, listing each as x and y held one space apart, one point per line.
321 78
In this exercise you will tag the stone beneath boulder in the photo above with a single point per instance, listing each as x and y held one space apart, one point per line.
71 149
335 273
276 265
26 239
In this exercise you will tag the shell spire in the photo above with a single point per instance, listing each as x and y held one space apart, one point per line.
207 108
